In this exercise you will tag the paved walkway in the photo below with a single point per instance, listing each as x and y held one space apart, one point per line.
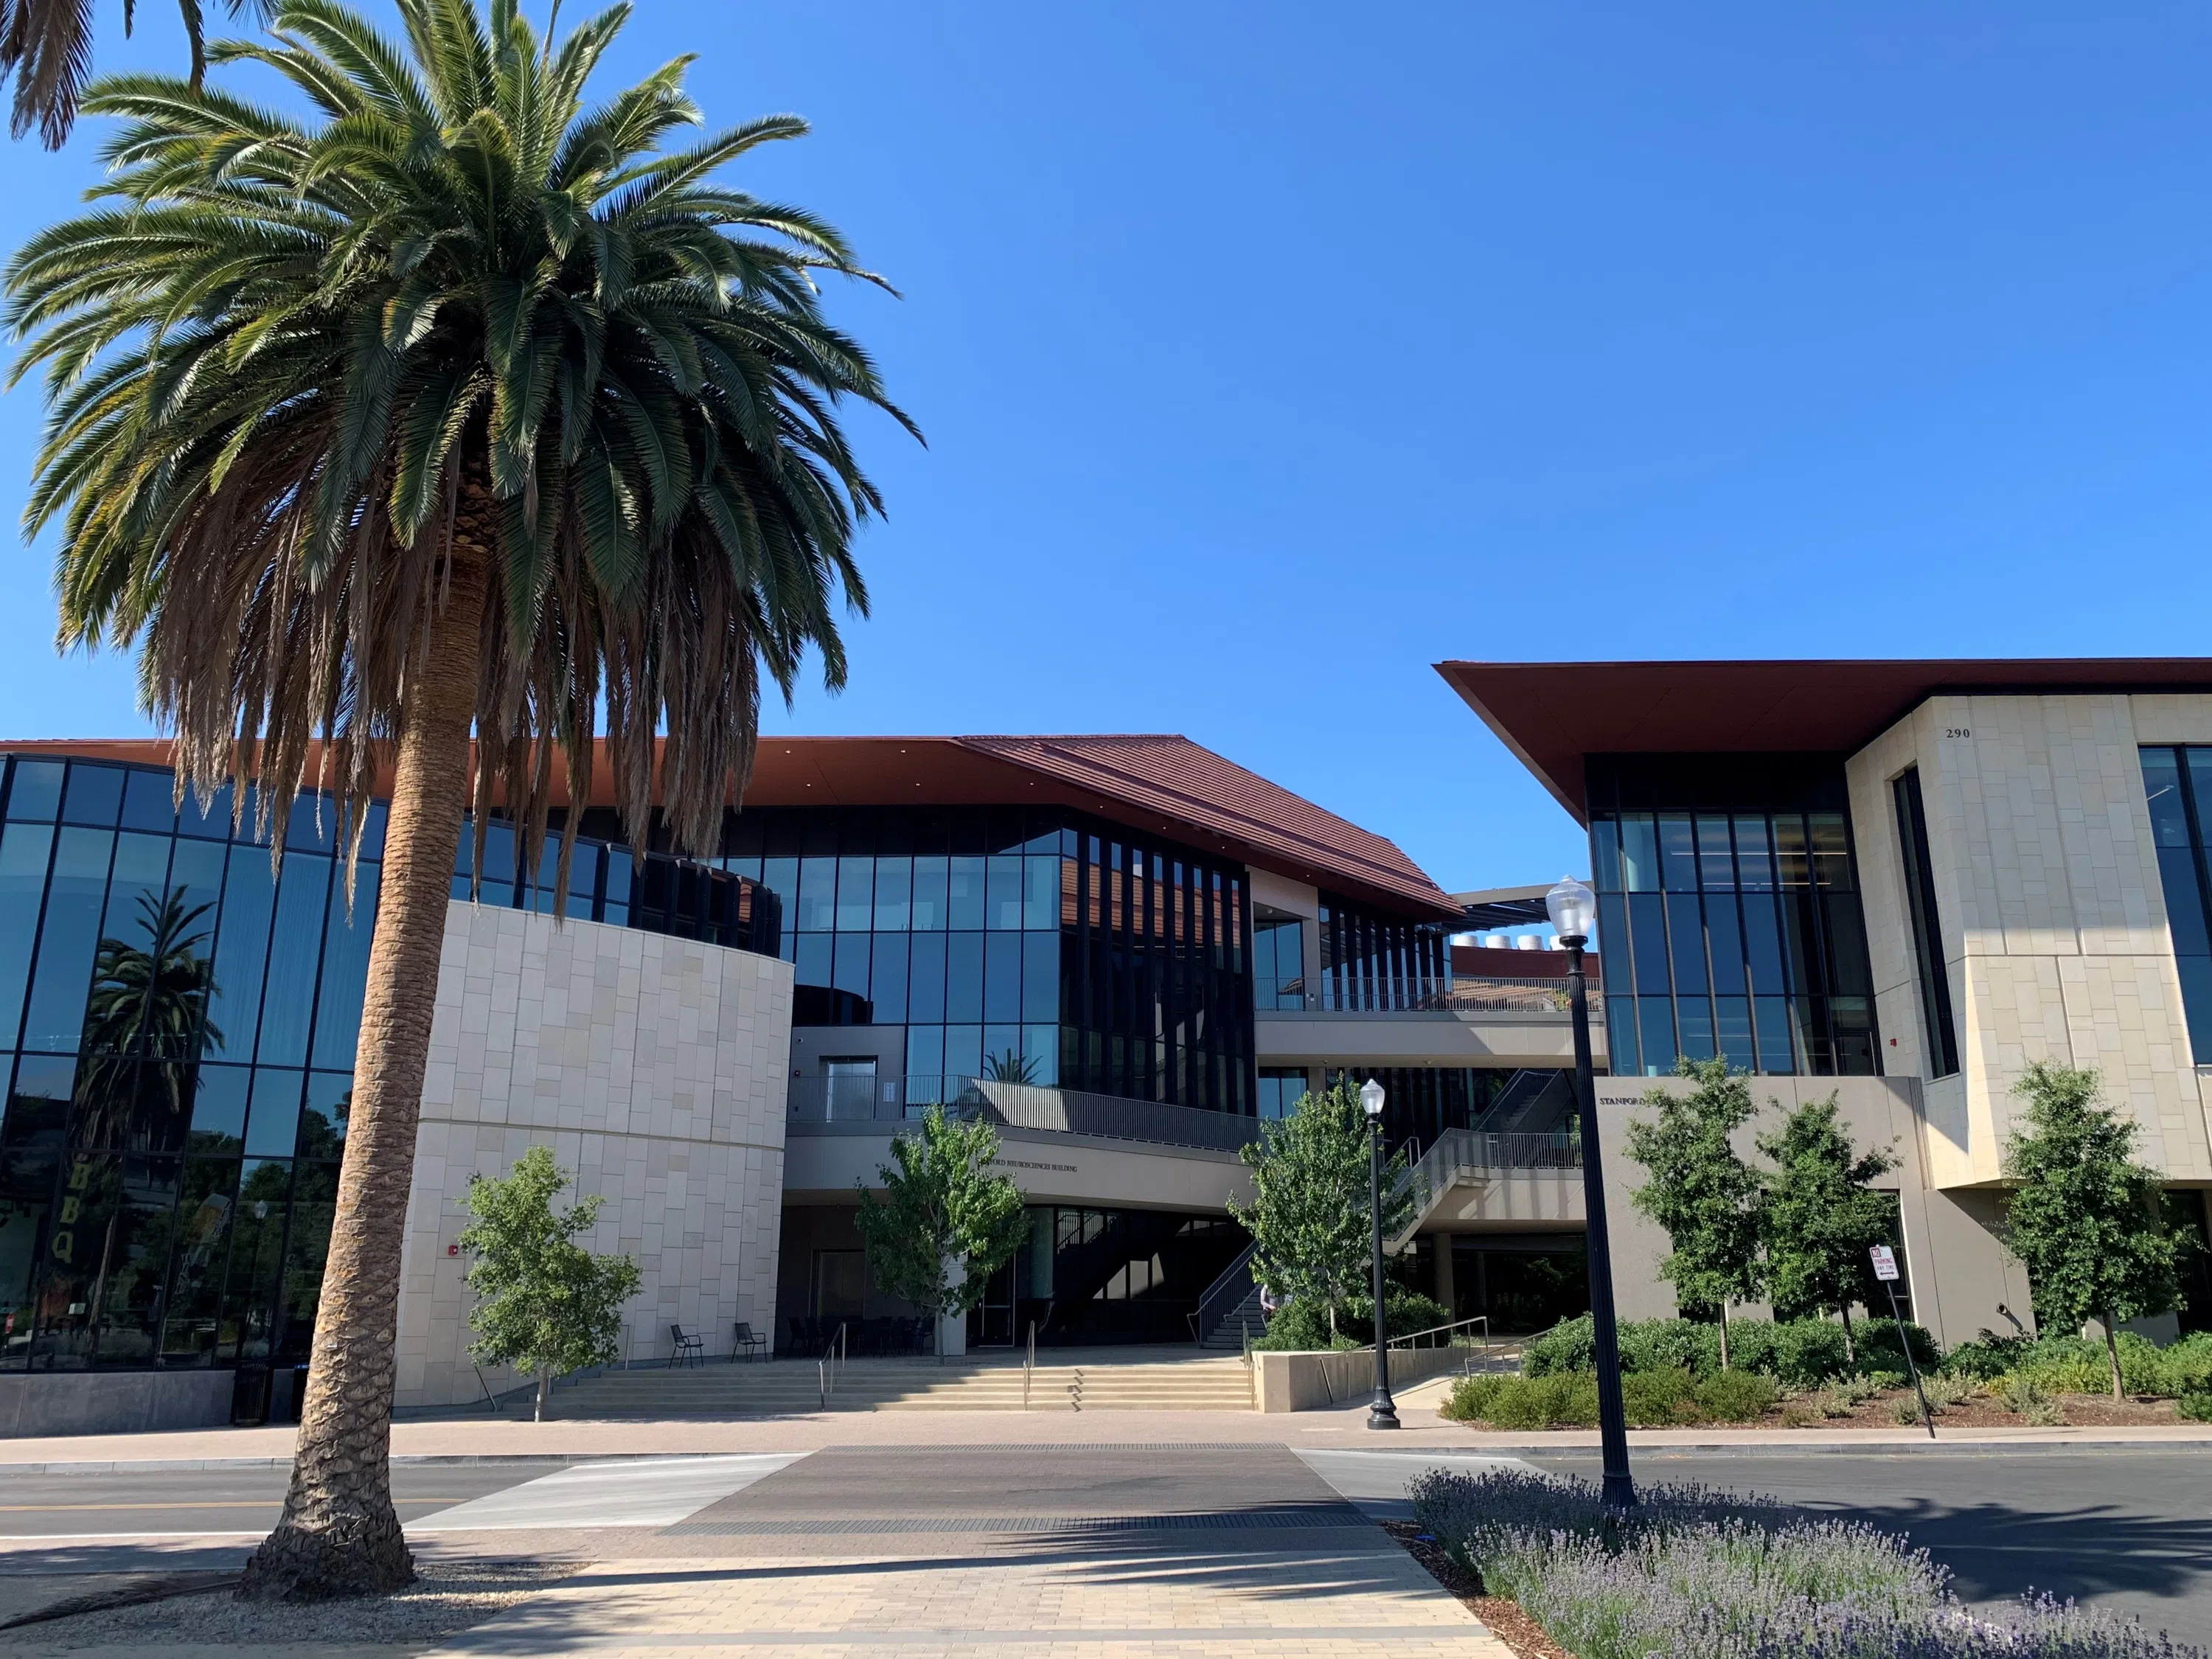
1268 1605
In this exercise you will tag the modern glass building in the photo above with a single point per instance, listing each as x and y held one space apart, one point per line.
1896 885
178 1018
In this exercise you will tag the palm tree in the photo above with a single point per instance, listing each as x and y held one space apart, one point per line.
458 405
47 44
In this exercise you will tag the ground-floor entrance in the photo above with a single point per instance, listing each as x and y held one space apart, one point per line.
1083 1276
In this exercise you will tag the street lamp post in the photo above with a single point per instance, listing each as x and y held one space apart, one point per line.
1573 908
1383 1414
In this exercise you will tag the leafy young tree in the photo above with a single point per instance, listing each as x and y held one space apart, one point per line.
1823 1215
941 1207
1709 1199
546 1304
2085 1218
1310 1217
456 407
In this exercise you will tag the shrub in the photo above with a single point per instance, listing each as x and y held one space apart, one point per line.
1569 1345
1695 1571
2197 1408
1560 1400
1302 1327
2066 1363
1733 1396
1798 1353
1657 1398
1943 1391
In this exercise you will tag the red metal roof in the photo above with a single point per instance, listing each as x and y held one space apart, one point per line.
1160 784
1551 715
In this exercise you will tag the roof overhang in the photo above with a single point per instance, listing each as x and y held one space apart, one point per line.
1552 716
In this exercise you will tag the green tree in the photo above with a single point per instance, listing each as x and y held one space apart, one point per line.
1709 1199
941 1209
546 1304
455 409
2085 1218
1312 1217
1823 1216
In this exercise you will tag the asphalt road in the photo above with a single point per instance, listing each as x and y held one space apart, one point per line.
201 1502
2132 1529
2129 1529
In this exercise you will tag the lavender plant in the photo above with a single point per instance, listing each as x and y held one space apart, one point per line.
1697 1570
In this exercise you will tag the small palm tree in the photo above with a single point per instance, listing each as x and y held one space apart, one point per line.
458 405
47 44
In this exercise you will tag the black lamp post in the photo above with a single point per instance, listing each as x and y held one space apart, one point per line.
1573 907
1383 1414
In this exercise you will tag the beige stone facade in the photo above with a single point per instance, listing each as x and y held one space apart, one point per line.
654 1069
2052 915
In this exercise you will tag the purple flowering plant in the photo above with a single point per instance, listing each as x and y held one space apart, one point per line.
1696 1570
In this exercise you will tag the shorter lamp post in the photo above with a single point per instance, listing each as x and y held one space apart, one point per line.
1383 1414
1573 908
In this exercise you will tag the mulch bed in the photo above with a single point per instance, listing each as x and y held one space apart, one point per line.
1501 1613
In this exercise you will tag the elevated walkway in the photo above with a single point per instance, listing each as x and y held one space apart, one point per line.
1065 1379
1471 1179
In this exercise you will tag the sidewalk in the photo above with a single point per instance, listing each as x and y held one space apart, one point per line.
474 1440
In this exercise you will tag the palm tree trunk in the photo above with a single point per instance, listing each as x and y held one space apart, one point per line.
339 1534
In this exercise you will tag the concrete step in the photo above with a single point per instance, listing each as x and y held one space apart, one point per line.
773 1389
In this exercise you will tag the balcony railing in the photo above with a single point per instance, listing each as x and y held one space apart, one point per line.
1464 994
892 1100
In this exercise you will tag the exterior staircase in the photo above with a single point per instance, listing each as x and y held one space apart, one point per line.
1246 1319
792 1388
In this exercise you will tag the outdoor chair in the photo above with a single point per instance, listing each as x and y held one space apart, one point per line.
688 1348
748 1342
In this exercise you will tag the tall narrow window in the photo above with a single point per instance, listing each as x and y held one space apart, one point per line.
1927 934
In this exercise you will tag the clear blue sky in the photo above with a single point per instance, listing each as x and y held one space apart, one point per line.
1270 353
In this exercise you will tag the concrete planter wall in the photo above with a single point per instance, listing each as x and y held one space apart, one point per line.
1306 1382
113 1402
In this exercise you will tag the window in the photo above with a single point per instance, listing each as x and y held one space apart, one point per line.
1729 914
2177 783
1927 934
1281 1087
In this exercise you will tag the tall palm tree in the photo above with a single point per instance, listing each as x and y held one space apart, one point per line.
47 44
458 405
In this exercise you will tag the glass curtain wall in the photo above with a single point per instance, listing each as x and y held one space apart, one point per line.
1373 962
2177 781
1040 947
179 1029
1729 926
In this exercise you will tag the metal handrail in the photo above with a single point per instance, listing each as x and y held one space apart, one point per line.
1236 1279
826 1367
1412 1337
1028 1366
